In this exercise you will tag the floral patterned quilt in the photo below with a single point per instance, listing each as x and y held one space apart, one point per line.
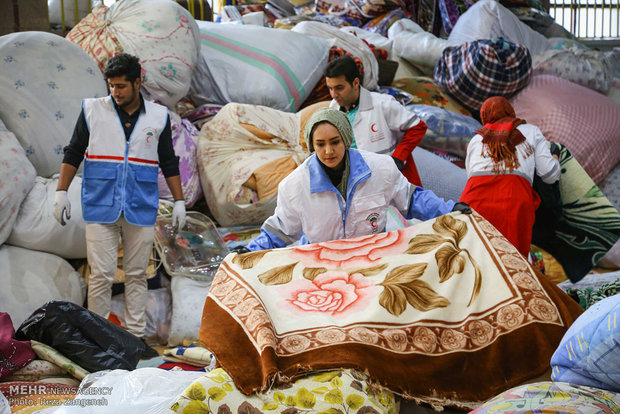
424 310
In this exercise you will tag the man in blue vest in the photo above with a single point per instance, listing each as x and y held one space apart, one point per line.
123 140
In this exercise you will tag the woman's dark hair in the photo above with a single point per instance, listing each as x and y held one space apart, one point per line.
123 65
344 65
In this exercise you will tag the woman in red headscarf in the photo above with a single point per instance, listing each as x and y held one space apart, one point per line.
502 159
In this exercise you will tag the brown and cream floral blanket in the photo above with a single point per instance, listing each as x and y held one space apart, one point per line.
446 312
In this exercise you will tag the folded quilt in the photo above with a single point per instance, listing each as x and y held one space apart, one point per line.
423 310
552 397
50 354
193 355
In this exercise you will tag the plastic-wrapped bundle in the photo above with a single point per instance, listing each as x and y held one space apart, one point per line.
160 32
44 79
17 177
184 141
475 71
412 43
194 251
257 65
447 130
488 19
439 175
588 68
243 153
37 229
350 44
30 278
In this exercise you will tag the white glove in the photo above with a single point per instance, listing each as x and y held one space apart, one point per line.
178 214
62 206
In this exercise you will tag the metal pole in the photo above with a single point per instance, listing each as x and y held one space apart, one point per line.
62 15
76 13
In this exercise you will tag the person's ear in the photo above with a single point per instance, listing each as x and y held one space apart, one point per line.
137 83
356 83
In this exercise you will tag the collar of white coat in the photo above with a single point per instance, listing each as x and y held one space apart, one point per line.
319 181
365 100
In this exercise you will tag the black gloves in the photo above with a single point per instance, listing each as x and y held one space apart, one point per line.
462 207
555 149
240 250
399 164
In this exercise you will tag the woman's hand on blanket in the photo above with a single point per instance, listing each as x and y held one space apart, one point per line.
462 207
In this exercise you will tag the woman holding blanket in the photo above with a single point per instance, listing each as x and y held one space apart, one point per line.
339 192
502 159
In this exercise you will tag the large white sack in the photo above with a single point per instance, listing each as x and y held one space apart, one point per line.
37 229
55 11
5 406
377 40
44 79
257 65
17 177
439 175
587 68
29 279
160 32
349 43
141 391
417 46
488 19
228 154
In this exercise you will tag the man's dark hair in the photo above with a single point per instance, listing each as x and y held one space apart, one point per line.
344 65
123 65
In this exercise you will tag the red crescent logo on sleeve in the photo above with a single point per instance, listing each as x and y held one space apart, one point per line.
373 127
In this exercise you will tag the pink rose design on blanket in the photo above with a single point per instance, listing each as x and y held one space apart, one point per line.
334 293
355 252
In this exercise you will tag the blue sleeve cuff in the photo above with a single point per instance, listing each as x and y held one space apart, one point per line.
265 240
426 205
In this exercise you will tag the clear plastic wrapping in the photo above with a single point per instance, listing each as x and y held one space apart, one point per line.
194 251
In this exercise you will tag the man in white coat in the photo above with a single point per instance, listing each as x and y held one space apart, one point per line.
380 123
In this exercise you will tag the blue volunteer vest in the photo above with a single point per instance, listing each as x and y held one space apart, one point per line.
120 176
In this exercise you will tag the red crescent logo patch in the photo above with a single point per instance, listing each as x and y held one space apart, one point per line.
373 127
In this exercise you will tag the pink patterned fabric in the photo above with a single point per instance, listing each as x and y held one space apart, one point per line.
587 122
14 354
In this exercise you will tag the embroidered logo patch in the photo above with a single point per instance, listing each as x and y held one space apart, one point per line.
372 220
149 133
375 134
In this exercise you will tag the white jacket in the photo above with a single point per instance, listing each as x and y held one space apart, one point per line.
541 162
380 122
309 204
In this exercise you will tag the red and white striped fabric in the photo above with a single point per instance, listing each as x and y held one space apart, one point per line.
587 122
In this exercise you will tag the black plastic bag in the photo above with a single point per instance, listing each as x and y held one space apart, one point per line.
89 340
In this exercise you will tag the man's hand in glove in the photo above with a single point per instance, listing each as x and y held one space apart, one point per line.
62 206
399 164
178 214
462 207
